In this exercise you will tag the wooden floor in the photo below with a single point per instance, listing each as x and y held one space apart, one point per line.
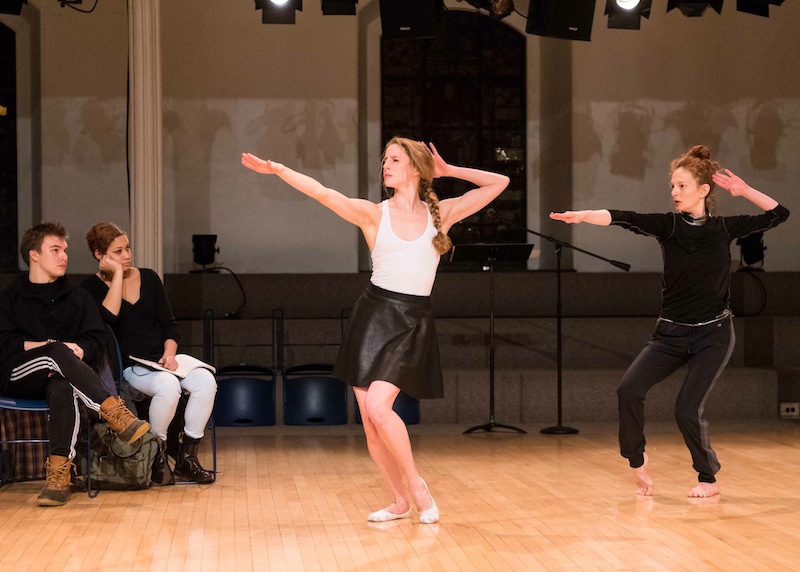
296 498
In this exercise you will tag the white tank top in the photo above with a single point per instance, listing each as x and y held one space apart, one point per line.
405 266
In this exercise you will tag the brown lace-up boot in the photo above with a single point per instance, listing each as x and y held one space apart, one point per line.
59 481
121 421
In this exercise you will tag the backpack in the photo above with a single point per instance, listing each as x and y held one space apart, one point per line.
117 465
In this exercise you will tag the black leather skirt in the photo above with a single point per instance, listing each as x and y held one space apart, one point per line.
392 337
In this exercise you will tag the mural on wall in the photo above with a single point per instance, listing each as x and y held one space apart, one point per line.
765 131
191 130
261 223
588 144
318 139
100 134
629 156
700 122
752 137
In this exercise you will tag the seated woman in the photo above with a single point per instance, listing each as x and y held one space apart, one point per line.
133 302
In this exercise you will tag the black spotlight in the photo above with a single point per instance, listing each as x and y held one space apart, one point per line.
204 248
12 6
694 9
753 249
627 14
756 7
411 19
278 11
567 19
339 7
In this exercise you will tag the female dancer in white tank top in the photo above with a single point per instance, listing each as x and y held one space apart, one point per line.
406 234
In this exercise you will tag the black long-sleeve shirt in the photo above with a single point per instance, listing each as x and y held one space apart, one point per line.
697 259
143 327
57 310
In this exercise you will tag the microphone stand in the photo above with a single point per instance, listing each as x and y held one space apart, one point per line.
558 428
487 255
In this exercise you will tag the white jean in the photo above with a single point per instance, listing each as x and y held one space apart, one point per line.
165 390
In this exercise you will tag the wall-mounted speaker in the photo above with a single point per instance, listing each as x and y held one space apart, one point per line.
568 19
410 18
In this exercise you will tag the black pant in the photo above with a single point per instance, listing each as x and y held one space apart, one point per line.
53 372
706 349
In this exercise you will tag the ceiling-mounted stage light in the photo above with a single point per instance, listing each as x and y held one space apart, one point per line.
694 9
627 14
567 19
278 11
498 9
12 6
757 7
339 7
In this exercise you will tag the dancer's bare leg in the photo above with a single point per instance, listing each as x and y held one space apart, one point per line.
389 469
704 490
644 484
394 435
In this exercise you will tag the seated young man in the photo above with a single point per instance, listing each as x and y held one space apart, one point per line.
51 336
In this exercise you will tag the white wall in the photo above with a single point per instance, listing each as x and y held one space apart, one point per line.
232 84
283 92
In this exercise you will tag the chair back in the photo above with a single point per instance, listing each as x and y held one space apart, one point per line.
313 396
245 396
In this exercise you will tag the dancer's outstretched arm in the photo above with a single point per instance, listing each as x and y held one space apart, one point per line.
598 217
360 212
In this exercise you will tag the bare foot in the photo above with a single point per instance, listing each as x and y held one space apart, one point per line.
644 484
704 490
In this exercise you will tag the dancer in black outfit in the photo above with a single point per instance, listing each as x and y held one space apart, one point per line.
695 325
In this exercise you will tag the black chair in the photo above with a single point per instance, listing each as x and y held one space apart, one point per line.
313 396
35 419
245 396
32 414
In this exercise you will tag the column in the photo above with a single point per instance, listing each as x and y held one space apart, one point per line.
144 138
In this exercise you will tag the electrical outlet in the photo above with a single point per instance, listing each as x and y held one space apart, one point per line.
790 409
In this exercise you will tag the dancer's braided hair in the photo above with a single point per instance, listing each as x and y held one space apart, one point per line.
422 160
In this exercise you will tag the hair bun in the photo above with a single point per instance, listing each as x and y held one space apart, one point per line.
700 151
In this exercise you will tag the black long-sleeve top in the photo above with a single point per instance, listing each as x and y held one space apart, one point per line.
143 327
57 310
697 259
